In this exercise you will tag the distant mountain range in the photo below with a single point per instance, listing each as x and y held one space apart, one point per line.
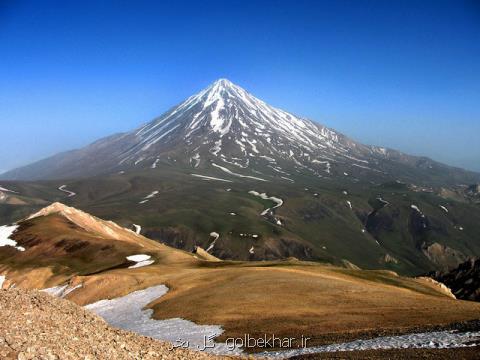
225 130
230 174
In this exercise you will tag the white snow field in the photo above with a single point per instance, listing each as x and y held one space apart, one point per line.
431 340
128 313
5 232
141 260
138 258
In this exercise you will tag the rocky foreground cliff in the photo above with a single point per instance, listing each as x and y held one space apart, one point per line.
35 325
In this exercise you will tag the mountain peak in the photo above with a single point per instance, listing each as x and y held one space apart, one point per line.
223 82
224 130
54 208
107 229
223 88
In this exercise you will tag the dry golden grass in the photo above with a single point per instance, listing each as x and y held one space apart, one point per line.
286 298
322 302
311 301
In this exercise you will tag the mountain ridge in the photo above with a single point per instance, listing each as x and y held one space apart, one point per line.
77 265
225 125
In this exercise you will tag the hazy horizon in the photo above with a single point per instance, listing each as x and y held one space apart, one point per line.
404 76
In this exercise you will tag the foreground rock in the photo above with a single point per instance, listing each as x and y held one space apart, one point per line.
35 325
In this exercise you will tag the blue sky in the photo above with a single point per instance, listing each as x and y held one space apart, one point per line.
402 74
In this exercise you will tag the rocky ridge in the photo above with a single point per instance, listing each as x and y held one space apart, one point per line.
464 280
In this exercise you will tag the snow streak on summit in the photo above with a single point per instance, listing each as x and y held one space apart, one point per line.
225 129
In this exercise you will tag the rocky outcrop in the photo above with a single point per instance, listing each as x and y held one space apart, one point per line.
473 193
447 291
202 254
35 325
464 281
473 189
388 259
442 256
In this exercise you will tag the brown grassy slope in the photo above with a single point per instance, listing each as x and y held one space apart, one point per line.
287 298
57 249
314 301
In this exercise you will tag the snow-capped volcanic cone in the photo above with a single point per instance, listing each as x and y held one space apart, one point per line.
224 130
226 124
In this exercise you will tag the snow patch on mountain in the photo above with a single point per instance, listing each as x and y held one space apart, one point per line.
149 196
62 290
5 233
210 178
268 212
427 340
384 202
155 163
138 229
416 208
130 313
237 174
141 260
215 237
7 190
63 188
195 160
278 201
